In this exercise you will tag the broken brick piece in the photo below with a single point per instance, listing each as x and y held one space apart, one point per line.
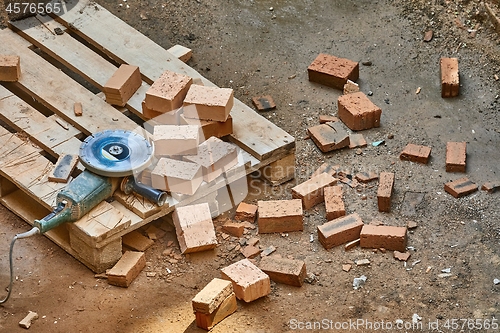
78 109
384 192
491 187
329 136
208 320
340 231
280 216
249 281
167 92
122 85
366 177
415 153
212 295
63 168
358 112
250 251
350 87
357 140
194 228
460 187
126 269
234 229
450 84
136 241
10 68
332 71
245 212
264 103
326 168
281 270
181 52
209 103
311 191
334 204
176 176
324 118
209 128
456 154
402 256
383 236
28 320
176 140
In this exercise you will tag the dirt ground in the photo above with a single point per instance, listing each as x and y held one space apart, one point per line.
264 47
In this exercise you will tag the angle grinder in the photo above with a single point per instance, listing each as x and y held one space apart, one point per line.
111 158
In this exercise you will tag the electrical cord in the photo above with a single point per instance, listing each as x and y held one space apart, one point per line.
30 233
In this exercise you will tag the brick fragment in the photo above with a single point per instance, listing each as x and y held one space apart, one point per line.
10 68
136 241
340 230
249 282
415 153
175 140
78 109
384 192
181 52
280 216
334 204
460 187
350 87
194 228
491 187
325 118
208 321
246 212
209 128
234 229
250 251
456 154
358 112
281 270
127 269
212 295
383 236
63 168
357 140
332 71
122 85
176 176
263 103
366 177
27 321
326 168
162 118
167 92
209 103
311 191
402 256
329 136
450 84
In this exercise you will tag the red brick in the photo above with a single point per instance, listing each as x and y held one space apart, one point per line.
10 68
126 269
340 231
450 84
175 140
167 92
383 236
358 112
78 109
357 140
181 52
287 271
366 177
456 154
324 118
250 251
263 103
246 212
212 295
177 176
332 71
460 187
384 192
249 282
234 229
280 216
491 187
416 153
311 191
136 241
208 103
162 118
122 85
329 136
209 128
208 320
334 204
402 256
194 228
326 168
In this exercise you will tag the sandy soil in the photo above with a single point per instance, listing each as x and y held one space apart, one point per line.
258 47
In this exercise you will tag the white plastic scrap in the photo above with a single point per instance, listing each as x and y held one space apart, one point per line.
358 282
416 318
496 281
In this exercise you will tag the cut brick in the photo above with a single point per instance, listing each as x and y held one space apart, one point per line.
415 153
329 136
176 176
460 187
249 282
332 71
63 168
245 212
234 229
194 228
491 187
384 192
181 52
326 168
209 128
334 204
127 269
280 216
350 87
383 236
357 140
358 112
287 271
10 68
214 156
134 240
167 92
456 154
311 191
208 321
212 295
78 109
209 103
450 84
340 231
250 251
263 103
122 85
176 140
366 177
324 118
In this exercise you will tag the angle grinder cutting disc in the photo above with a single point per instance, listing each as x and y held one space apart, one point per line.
116 153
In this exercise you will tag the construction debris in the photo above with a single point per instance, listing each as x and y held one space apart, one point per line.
63 168
450 84
416 153
126 269
329 136
282 270
358 112
460 187
28 320
384 192
311 191
264 103
280 216
456 154
194 228
246 212
332 71
389 237
249 282
340 231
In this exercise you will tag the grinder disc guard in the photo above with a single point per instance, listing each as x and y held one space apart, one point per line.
116 153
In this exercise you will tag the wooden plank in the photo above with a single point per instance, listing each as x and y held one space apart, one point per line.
73 54
136 203
58 92
126 45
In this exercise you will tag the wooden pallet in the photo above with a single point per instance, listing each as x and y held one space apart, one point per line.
34 134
